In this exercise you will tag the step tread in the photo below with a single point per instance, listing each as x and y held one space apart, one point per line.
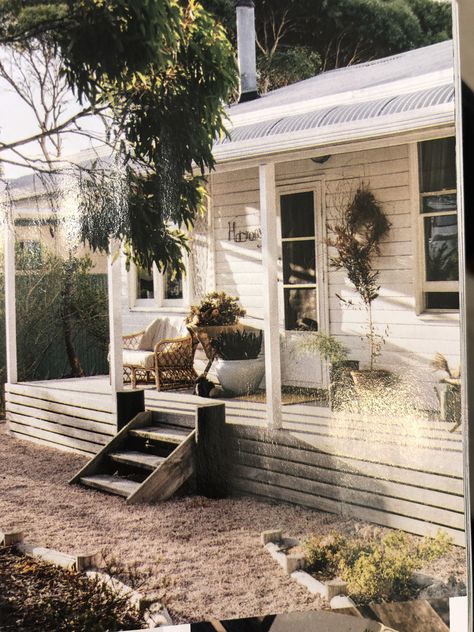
161 433
112 484
140 459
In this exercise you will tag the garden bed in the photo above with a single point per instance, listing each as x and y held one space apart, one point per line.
36 595
202 557
369 570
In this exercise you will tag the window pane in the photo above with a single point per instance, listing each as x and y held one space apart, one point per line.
299 262
173 285
297 215
301 309
437 203
441 248
438 164
144 283
442 300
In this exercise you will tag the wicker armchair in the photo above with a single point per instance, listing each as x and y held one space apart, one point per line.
166 361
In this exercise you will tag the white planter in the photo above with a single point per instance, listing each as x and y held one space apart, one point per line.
240 376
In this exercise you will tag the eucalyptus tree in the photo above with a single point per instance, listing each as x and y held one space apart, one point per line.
162 71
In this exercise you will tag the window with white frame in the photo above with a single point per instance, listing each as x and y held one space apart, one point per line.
438 224
154 289
298 236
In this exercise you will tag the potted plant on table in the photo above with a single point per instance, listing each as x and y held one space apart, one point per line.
216 313
239 366
356 237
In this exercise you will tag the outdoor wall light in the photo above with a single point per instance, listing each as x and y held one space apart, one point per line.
320 160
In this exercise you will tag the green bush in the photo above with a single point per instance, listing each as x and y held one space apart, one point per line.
237 345
374 570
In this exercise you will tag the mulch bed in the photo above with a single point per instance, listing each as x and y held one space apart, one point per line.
36 596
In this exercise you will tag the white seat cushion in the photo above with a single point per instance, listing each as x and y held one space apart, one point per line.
142 359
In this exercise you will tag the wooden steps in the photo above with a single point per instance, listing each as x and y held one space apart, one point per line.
148 460
160 433
112 484
137 459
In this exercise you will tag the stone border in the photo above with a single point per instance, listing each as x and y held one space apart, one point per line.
149 606
334 590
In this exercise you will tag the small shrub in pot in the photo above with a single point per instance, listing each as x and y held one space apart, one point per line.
237 345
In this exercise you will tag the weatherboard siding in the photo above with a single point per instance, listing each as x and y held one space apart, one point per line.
412 339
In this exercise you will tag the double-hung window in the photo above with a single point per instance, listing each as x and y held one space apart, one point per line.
439 225
154 289
298 234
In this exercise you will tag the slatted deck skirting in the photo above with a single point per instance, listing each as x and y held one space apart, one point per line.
408 487
402 475
66 418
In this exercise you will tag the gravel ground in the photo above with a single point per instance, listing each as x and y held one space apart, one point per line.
203 555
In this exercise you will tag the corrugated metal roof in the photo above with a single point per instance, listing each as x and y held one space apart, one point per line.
338 115
379 72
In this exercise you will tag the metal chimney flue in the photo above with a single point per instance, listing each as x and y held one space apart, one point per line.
245 10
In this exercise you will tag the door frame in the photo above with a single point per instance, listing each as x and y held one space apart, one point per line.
318 187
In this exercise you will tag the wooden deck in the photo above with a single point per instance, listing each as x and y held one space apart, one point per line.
402 474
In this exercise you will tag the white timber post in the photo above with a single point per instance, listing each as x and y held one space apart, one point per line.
115 315
271 326
10 299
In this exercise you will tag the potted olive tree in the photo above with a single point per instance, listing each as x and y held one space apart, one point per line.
239 365
356 237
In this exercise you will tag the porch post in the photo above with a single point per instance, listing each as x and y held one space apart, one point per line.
271 325
10 298
115 315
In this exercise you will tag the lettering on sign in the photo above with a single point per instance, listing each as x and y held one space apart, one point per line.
241 236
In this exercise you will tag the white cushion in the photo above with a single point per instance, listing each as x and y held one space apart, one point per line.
169 327
142 359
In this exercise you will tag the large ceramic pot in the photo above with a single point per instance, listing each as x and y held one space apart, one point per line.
240 377
374 379
341 387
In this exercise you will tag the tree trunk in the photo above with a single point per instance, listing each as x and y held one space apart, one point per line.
66 315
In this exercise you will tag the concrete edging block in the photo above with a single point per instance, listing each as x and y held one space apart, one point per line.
294 563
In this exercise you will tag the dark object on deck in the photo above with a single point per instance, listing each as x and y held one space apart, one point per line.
203 386
211 452
129 404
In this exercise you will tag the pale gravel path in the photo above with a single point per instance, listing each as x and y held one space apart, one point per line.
205 554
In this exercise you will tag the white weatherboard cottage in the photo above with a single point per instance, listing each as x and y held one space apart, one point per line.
293 156
292 159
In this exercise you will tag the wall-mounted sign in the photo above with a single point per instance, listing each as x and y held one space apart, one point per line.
248 234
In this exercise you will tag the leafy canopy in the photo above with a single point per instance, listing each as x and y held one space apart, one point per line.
299 38
164 69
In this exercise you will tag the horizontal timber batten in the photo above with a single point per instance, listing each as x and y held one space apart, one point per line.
419 490
72 415
319 459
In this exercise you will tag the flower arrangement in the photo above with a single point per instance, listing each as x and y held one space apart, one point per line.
216 308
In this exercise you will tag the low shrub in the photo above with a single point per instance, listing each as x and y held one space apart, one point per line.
374 569
237 345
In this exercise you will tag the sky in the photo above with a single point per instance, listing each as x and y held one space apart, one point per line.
17 121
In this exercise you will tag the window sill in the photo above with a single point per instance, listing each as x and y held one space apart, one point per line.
182 309
439 315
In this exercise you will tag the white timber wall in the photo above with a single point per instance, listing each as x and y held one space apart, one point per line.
412 340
